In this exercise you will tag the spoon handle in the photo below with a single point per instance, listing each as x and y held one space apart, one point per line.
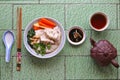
7 58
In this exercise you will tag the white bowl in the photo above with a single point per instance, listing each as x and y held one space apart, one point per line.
81 41
49 55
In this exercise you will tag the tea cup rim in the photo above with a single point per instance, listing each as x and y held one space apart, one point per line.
106 16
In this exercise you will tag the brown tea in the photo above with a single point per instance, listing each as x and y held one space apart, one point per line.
98 21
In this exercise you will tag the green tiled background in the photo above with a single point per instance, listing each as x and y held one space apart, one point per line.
73 62
65 1
19 1
79 14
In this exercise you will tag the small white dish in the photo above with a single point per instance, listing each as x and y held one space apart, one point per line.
76 35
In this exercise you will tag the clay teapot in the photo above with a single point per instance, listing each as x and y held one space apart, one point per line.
103 52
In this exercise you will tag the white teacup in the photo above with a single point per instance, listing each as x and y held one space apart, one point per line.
99 21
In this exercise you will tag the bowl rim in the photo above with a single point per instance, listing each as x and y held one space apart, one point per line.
76 43
54 53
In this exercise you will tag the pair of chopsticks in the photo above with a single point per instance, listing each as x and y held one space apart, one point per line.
19 38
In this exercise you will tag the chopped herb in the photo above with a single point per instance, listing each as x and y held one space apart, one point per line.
30 34
40 48
48 46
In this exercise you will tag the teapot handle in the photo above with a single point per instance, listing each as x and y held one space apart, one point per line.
114 63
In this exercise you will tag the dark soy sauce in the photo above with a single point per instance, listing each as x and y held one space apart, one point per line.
98 21
76 35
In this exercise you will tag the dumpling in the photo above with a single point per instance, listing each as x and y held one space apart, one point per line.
45 39
43 36
53 33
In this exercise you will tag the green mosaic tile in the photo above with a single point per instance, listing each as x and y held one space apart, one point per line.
79 14
111 35
2 49
1 43
65 1
119 68
80 49
5 16
31 12
43 69
119 16
19 1
0 67
105 1
6 69
83 67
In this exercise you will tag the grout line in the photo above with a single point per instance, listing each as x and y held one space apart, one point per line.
117 69
15 29
104 2
65 16
117 17
68 29
90 33
84 79
79 3
21 55
39 2
0 68
9 29
5 29
12 16
91 1
12 69
57 56
25 2
65 29
75 55
65 68
93 30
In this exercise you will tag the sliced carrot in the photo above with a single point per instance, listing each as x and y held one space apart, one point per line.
36 26
47 22
42 25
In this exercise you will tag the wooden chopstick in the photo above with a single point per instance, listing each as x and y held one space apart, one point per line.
19 27
19 38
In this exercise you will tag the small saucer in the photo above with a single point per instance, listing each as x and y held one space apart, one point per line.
76 35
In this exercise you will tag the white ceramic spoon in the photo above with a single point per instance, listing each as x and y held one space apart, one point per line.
8 39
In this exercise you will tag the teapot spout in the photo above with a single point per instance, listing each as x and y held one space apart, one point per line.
114 63
92 42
